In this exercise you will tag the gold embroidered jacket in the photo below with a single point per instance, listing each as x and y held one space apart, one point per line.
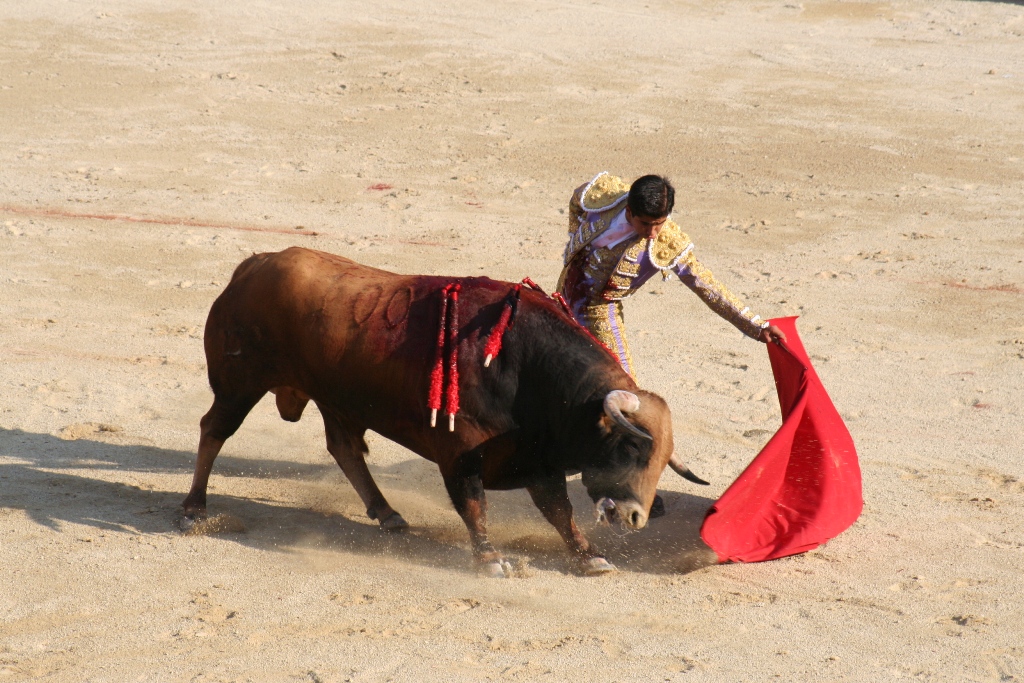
594 275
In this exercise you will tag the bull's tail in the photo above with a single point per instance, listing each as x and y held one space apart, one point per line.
226 337
250 265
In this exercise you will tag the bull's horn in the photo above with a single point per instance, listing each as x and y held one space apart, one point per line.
618 402
676 463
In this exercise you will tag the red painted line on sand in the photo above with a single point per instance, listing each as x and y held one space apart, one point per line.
421 243
60 213
1008 288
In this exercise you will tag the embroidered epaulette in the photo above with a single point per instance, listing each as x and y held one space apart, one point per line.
603 192
671 245
592 209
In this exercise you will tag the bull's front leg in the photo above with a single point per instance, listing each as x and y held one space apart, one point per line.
467 494
552 498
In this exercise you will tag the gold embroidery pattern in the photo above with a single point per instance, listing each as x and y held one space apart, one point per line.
719 299
603 192
670 244
628 268
600 266
593 225
610 332
591 210
620 284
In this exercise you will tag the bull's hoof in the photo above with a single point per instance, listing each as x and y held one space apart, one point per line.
394 522
188 520
596 566
657 508
495 569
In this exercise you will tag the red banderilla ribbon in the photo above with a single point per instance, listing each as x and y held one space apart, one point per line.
533 285
493 346
447 340
452 397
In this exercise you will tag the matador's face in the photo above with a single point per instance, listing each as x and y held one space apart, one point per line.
645 226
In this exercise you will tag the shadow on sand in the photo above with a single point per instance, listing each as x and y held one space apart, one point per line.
122 487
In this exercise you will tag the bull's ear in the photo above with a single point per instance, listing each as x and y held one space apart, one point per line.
605 425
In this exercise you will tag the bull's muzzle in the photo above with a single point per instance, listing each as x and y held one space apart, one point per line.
629 513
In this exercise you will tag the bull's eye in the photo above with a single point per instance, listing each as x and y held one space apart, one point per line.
631 453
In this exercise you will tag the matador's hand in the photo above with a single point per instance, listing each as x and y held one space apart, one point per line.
771 334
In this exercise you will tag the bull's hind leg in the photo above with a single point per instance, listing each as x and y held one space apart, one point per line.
552 498
223 419
349 450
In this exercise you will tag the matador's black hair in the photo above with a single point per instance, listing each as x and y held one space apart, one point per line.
651 196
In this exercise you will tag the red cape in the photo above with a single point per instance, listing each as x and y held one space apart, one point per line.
804 487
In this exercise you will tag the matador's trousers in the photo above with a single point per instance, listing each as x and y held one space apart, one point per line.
605 322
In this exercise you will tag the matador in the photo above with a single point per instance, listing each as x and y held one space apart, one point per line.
619 237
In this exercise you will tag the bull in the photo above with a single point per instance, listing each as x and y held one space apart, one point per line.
307 325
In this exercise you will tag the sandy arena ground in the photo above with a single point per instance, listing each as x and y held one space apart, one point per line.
859 164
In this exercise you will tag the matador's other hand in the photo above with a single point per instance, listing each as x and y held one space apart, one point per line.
771 334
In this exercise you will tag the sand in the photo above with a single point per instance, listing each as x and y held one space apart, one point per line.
858 164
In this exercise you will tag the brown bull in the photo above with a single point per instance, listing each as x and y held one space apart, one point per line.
359 341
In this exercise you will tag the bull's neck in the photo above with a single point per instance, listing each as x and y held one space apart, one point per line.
574 369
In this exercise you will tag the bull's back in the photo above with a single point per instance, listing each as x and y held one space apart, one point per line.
320 323
362 342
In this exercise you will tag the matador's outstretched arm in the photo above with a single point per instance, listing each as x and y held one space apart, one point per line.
717 296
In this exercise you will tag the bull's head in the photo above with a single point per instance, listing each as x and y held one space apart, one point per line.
634 448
